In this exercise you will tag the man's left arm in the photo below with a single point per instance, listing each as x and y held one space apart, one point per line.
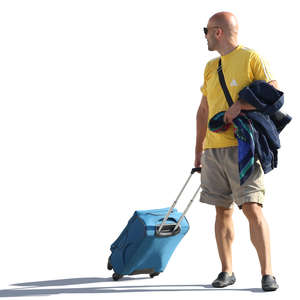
260 71
274 83
235 109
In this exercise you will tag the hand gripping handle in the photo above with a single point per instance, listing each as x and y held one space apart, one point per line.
196 170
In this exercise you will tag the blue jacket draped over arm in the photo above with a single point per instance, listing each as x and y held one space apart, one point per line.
267 120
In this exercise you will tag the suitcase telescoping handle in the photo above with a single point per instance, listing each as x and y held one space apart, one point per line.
194 170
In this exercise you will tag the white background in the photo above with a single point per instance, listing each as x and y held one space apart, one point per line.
97 120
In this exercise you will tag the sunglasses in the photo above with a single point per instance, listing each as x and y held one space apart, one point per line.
205 29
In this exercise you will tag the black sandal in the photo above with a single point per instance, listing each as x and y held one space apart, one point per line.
268 283
223 280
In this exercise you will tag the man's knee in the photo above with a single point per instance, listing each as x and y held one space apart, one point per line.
223 213
253 212
224 224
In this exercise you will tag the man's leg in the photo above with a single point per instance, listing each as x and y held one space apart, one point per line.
260 237
224 236
259 233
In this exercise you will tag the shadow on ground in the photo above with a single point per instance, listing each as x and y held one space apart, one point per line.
38 288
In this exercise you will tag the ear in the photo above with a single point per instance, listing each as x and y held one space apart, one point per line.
219 33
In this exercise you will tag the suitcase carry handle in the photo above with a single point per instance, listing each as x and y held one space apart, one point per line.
167 230
194 170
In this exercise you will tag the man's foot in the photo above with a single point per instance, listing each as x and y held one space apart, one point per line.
269 283
223 280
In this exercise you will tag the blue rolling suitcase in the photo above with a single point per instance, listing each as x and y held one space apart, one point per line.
149 239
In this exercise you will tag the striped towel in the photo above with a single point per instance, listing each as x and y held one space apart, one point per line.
243 131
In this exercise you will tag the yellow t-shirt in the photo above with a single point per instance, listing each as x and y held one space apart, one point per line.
241 67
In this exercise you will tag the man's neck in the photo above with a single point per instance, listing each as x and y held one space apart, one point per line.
227 49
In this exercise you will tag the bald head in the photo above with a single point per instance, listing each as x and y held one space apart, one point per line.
228 22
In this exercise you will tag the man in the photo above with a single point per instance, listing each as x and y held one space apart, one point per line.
217 152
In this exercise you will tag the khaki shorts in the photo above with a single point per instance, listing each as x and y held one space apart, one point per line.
220 179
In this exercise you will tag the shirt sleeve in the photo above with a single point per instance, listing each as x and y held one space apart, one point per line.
260 68
204 85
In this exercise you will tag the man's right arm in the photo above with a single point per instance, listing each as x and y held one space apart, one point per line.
202 120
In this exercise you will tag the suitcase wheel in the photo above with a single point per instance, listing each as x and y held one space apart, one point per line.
109 266
154 274
117 276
